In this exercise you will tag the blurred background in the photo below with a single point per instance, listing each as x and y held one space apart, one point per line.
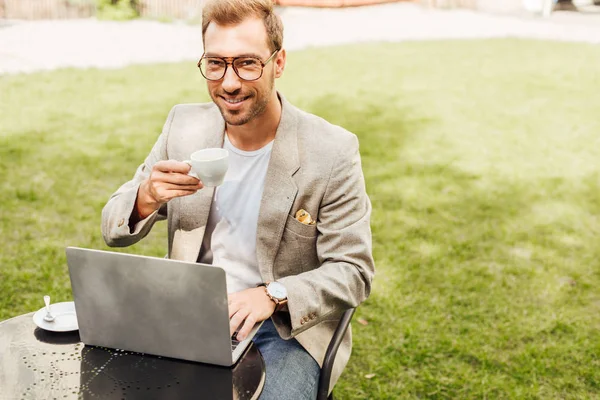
480 138
190 9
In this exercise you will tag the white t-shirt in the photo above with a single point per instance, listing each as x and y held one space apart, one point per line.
230 238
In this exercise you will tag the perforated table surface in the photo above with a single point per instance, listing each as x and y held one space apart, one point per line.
37 364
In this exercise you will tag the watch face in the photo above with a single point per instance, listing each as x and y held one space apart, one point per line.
277 290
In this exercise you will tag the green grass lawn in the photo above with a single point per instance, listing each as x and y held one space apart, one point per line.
482 164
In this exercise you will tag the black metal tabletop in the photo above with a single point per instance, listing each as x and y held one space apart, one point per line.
38 364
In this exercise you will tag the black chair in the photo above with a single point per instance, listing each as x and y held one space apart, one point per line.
334 344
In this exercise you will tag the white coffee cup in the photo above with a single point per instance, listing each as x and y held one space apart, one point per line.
209 165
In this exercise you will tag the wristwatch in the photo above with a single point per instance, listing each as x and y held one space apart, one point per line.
277 293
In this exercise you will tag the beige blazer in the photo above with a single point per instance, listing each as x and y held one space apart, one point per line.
326 268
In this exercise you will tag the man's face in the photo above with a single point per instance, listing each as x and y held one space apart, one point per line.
241 101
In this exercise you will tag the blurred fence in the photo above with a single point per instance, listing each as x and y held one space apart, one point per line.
191 9
47 9
176 9
61 9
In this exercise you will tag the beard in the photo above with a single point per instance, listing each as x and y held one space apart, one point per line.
257 104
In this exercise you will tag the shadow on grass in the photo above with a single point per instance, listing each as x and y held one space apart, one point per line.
369 119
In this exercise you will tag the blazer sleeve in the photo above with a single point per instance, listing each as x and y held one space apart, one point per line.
344 250
117 211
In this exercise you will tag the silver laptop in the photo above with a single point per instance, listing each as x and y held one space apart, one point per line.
153 305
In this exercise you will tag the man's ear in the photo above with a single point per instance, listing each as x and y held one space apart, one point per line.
280 63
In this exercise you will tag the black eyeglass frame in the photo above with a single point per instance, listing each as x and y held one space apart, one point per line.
231 60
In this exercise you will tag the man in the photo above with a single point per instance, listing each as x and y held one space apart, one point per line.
292 213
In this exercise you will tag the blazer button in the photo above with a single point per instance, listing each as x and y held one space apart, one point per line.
302 321
121 222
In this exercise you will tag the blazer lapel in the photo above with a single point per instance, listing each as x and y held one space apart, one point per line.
194 210
279 191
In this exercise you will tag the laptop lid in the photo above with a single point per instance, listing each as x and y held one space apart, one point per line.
151 305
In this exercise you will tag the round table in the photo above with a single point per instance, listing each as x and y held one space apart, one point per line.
38 364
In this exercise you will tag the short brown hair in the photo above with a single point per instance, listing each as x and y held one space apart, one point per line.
228 12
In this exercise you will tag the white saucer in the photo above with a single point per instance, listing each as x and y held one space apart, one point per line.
65 319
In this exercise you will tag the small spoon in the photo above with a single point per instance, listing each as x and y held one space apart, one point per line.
48 317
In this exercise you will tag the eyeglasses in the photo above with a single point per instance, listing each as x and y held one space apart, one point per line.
247 68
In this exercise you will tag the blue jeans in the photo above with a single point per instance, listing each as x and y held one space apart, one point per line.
292 373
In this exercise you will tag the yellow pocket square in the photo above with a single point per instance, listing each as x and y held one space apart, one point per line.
304 217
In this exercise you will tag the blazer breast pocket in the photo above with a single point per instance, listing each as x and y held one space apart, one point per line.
300 229
298 249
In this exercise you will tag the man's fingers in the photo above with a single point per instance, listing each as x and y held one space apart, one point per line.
164 196
233 303
180 193
246 308
171 186
174 178
169 179
247 328
233 307
237 320
181 179
172 166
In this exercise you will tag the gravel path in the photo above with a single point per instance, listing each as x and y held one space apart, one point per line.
44 45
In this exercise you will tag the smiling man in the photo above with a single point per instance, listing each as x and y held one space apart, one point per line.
290 224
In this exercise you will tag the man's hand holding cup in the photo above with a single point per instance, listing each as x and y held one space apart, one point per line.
168 179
